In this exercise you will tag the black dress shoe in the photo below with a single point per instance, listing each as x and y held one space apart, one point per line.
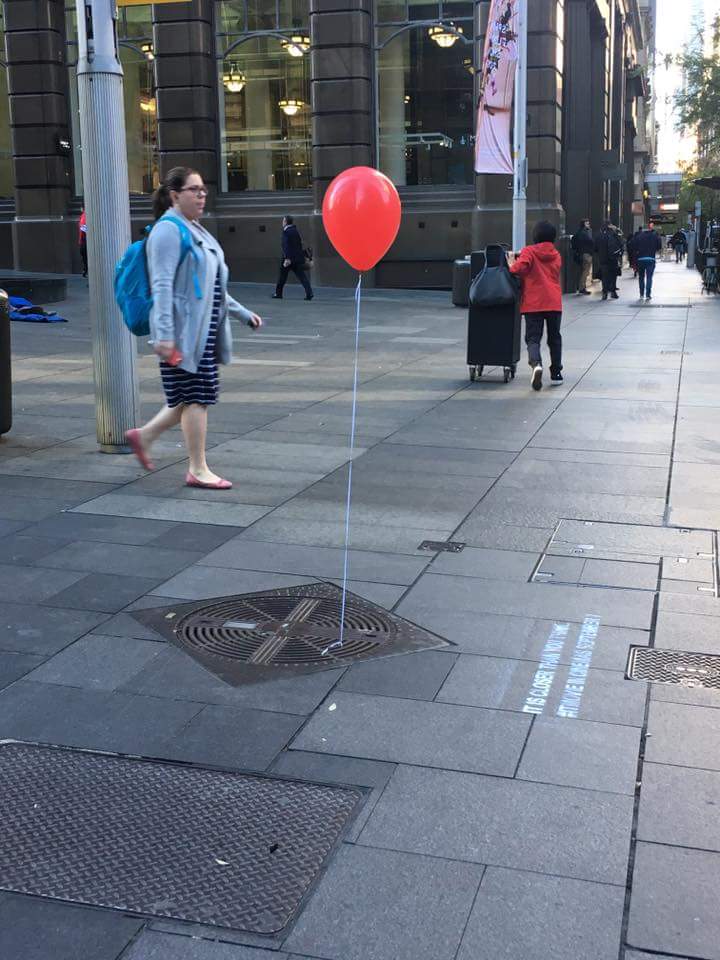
277 296
310 297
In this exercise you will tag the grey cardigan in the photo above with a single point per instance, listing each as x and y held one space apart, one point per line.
177 313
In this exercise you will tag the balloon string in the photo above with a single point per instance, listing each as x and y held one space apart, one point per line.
353 420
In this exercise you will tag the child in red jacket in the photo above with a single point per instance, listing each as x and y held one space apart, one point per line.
538 268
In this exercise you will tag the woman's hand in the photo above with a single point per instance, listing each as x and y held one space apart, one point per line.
511 257
164 348
255 322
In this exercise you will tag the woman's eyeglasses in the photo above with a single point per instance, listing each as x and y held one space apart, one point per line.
198 191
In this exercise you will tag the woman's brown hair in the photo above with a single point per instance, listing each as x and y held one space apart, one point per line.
174 179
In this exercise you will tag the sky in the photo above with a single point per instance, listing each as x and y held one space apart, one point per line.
671 33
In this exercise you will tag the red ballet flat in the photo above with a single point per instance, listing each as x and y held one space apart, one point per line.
191 481
133 439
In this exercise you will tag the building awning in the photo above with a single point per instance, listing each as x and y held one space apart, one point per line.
713 183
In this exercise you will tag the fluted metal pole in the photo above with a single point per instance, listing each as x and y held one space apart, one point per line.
520 178
107 206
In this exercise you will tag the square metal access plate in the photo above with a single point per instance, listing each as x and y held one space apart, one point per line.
285 632
164 839
674 666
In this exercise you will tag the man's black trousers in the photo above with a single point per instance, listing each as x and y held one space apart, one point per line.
299 272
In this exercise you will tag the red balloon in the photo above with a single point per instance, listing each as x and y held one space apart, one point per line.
361 213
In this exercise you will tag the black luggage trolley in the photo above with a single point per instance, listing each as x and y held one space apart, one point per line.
494 333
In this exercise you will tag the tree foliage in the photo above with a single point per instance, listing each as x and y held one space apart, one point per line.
698 101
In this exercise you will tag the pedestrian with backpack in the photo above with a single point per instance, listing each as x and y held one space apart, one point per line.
538 268
189 318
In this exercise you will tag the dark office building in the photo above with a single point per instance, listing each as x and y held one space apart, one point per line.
270 99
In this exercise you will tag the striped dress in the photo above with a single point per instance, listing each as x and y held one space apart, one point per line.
201 387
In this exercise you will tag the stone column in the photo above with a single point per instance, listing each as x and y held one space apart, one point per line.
341 97
37 83
187 77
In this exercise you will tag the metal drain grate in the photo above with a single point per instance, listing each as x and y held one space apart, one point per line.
442 546
674 666
285 631
163 839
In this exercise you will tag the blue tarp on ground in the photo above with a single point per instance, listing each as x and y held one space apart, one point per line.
22 309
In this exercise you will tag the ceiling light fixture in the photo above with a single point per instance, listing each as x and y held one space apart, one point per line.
296 46
290 107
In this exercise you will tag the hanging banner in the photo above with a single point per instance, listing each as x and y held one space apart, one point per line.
493 153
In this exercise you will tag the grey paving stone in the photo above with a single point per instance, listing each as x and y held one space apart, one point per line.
508 823
194 536
199 582
673 907
411 731
173 674
523 638
97 662
8 527
675 693
486 564
687 568
699 603
34 584
629 575
16 665
635 538
323 562
554 569
683 735
678 806
394 907
578 753
103 592
46 488
24 549
89 718
233 736
35 929
438 460
635 955
384 594
153 945
687 631
499 684
415 676
503 536
31 509
528 916
572 477
80 526
27 628
122 559
322 768
168 508
443 603
363 536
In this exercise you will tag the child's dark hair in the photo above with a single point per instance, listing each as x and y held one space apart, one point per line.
174 179
544 232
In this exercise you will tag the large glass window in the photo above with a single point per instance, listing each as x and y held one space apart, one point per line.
7 188
264 90
425 91
137 58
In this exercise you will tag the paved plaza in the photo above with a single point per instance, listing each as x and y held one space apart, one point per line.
523 799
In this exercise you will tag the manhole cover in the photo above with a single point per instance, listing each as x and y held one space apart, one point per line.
674 666
164 839
280 632
442 546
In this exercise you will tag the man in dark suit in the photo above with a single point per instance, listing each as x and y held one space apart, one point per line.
293 259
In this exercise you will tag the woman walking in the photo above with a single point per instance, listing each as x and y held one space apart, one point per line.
189 321
538 267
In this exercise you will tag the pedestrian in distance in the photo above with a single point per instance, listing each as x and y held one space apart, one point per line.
583 247
679 245
82 241
632 256
646 246
189 321
609 247
295 258
538 268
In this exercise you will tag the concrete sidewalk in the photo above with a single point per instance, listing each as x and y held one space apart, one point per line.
528 801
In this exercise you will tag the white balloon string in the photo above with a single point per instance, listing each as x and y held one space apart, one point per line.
353 420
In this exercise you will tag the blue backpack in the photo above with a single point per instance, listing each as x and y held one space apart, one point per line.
132 282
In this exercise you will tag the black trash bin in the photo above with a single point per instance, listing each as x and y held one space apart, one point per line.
461 282
5 371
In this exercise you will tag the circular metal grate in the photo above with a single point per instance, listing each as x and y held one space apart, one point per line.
285 630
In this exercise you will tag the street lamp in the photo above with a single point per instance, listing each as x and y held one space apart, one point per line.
444 35
296 46
233 80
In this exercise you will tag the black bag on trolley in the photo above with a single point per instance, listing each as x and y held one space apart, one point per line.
494 323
